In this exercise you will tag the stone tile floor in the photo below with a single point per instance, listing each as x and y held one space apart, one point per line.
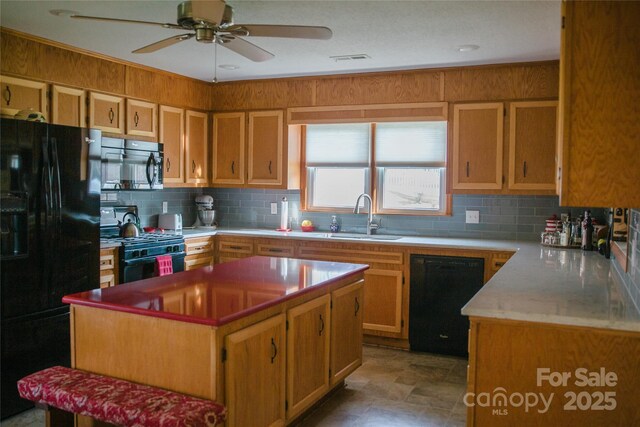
392 388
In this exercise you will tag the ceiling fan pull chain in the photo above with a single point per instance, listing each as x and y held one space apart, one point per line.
215 60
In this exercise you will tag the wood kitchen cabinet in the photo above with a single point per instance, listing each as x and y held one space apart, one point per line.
231 248
228 148
68 106
142 118
477 146
308 353
108 267
532 145
22 94
598 123
265 148
255 374
346 331
106 112
274 247
199 252
196 147
172 136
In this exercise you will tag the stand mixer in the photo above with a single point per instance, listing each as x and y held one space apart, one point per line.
206 214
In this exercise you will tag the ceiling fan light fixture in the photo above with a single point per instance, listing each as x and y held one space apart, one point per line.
467 47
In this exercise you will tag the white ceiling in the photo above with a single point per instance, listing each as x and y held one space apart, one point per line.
395 34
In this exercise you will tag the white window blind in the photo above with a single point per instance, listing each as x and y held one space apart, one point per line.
411 144
338 145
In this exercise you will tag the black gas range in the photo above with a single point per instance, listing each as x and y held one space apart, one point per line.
137 255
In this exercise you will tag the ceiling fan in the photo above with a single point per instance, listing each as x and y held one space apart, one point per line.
212 22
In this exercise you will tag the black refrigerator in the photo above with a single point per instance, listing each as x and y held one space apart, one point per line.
50 243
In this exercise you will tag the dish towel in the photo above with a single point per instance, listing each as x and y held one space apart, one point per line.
164 265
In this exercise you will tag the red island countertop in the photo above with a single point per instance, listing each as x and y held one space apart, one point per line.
219 294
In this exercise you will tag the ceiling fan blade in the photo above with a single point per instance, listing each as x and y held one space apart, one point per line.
289 31
164 43
246 49
128 21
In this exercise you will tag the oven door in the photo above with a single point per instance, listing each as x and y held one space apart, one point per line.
135 166
144 268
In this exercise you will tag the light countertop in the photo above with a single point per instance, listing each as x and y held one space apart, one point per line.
538 284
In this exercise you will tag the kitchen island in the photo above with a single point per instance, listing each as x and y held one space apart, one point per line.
267 337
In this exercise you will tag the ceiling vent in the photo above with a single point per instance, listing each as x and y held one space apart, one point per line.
341 58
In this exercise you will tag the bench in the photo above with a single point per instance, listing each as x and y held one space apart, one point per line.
116 401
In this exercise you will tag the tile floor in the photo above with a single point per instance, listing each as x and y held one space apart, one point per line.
392 388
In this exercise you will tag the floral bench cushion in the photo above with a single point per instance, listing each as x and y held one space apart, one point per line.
117 401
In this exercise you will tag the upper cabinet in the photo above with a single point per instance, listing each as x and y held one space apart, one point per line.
265 148
142 118
477 146
196 147
228 148
599 109
532 145
172 136
106 112
271 159
68 106
22 94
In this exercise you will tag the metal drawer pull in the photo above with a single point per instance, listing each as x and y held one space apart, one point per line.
269 167
168 164
112 115
524 169
499 263
467 169
136 119
233 164
275 250
444 336
275 350
193 166
7 94
357 306
235 247
321 326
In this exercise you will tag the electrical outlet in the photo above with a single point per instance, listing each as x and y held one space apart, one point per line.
165 207
274 208
473 217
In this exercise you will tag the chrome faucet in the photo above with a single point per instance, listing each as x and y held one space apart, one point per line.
370 224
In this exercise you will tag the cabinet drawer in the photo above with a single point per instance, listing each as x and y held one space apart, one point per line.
267 249
350 255
191 264
199 245
236 247
107 260
107 280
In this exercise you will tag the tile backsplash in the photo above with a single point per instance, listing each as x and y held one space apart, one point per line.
631 279
501 217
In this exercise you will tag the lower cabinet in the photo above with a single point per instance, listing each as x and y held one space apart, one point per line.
346 331
198 252
108 267
383 301
232 248
308 341
255 373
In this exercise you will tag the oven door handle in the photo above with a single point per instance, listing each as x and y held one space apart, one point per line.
152 165
149 259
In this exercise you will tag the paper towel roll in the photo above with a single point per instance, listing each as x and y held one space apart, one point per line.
284 214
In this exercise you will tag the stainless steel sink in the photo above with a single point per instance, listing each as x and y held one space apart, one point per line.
351 236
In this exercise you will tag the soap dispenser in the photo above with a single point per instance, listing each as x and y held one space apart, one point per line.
333 225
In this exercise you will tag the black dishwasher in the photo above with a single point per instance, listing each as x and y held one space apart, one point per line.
440 287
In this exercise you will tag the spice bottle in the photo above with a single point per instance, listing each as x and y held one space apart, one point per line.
587 232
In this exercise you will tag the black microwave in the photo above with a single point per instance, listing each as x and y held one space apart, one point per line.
131 165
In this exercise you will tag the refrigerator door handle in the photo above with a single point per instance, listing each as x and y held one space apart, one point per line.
56 190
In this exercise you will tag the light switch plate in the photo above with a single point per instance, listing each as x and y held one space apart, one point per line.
274 208
165 207
473 217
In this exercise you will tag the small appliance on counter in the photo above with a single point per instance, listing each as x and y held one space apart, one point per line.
206 213
619 220
171 222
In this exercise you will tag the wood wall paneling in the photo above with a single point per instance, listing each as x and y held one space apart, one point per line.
262 94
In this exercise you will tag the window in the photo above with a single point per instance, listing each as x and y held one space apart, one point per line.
409 159
410 162
338 165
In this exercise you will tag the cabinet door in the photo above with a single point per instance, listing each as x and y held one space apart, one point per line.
106 112
68 106
346 330
383 301
228 148
142 118
265 146
172 136
477 146
21 94
196 153
532 145
108 267
308 340
255 374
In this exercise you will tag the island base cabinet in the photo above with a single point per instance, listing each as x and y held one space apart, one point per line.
308 340
346 331
383 302
586 376
255 374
